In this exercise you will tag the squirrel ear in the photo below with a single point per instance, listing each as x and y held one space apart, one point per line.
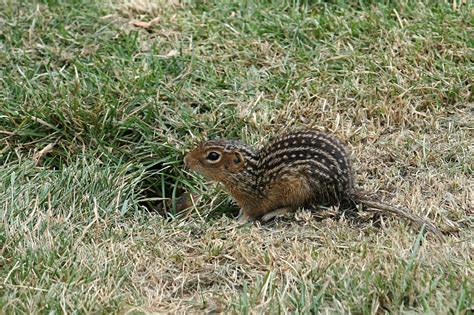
238 158
237 161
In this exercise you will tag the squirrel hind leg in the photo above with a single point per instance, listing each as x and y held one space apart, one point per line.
278 212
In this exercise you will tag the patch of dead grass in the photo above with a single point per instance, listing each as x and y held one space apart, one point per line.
204 265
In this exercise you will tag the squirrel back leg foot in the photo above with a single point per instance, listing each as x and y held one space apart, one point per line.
281 211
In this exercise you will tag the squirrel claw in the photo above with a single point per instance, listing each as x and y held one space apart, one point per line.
243 218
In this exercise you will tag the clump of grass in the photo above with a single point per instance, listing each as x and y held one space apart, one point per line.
96 114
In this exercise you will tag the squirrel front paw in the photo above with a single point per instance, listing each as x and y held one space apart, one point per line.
243 218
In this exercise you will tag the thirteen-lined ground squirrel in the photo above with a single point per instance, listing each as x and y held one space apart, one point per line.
303 168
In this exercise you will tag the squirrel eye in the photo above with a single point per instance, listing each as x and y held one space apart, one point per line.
213 156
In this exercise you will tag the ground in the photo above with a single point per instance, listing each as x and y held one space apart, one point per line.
99 101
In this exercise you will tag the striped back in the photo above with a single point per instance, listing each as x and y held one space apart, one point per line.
320 157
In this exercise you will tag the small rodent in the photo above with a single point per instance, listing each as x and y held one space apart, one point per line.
298 169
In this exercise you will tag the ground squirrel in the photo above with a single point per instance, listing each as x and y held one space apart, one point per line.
294 170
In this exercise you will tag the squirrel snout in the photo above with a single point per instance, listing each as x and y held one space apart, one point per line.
188 162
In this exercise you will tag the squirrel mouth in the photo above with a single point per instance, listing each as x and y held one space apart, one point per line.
189 164
186 161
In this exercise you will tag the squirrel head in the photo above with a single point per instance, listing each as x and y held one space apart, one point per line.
221 160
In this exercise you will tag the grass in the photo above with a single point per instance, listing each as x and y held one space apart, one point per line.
96 115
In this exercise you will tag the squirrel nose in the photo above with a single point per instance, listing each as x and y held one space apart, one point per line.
186 161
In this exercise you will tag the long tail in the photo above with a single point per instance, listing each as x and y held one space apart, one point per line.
401 212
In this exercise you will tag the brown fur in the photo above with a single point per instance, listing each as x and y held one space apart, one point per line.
293 170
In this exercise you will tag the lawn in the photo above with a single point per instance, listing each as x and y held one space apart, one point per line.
100 100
